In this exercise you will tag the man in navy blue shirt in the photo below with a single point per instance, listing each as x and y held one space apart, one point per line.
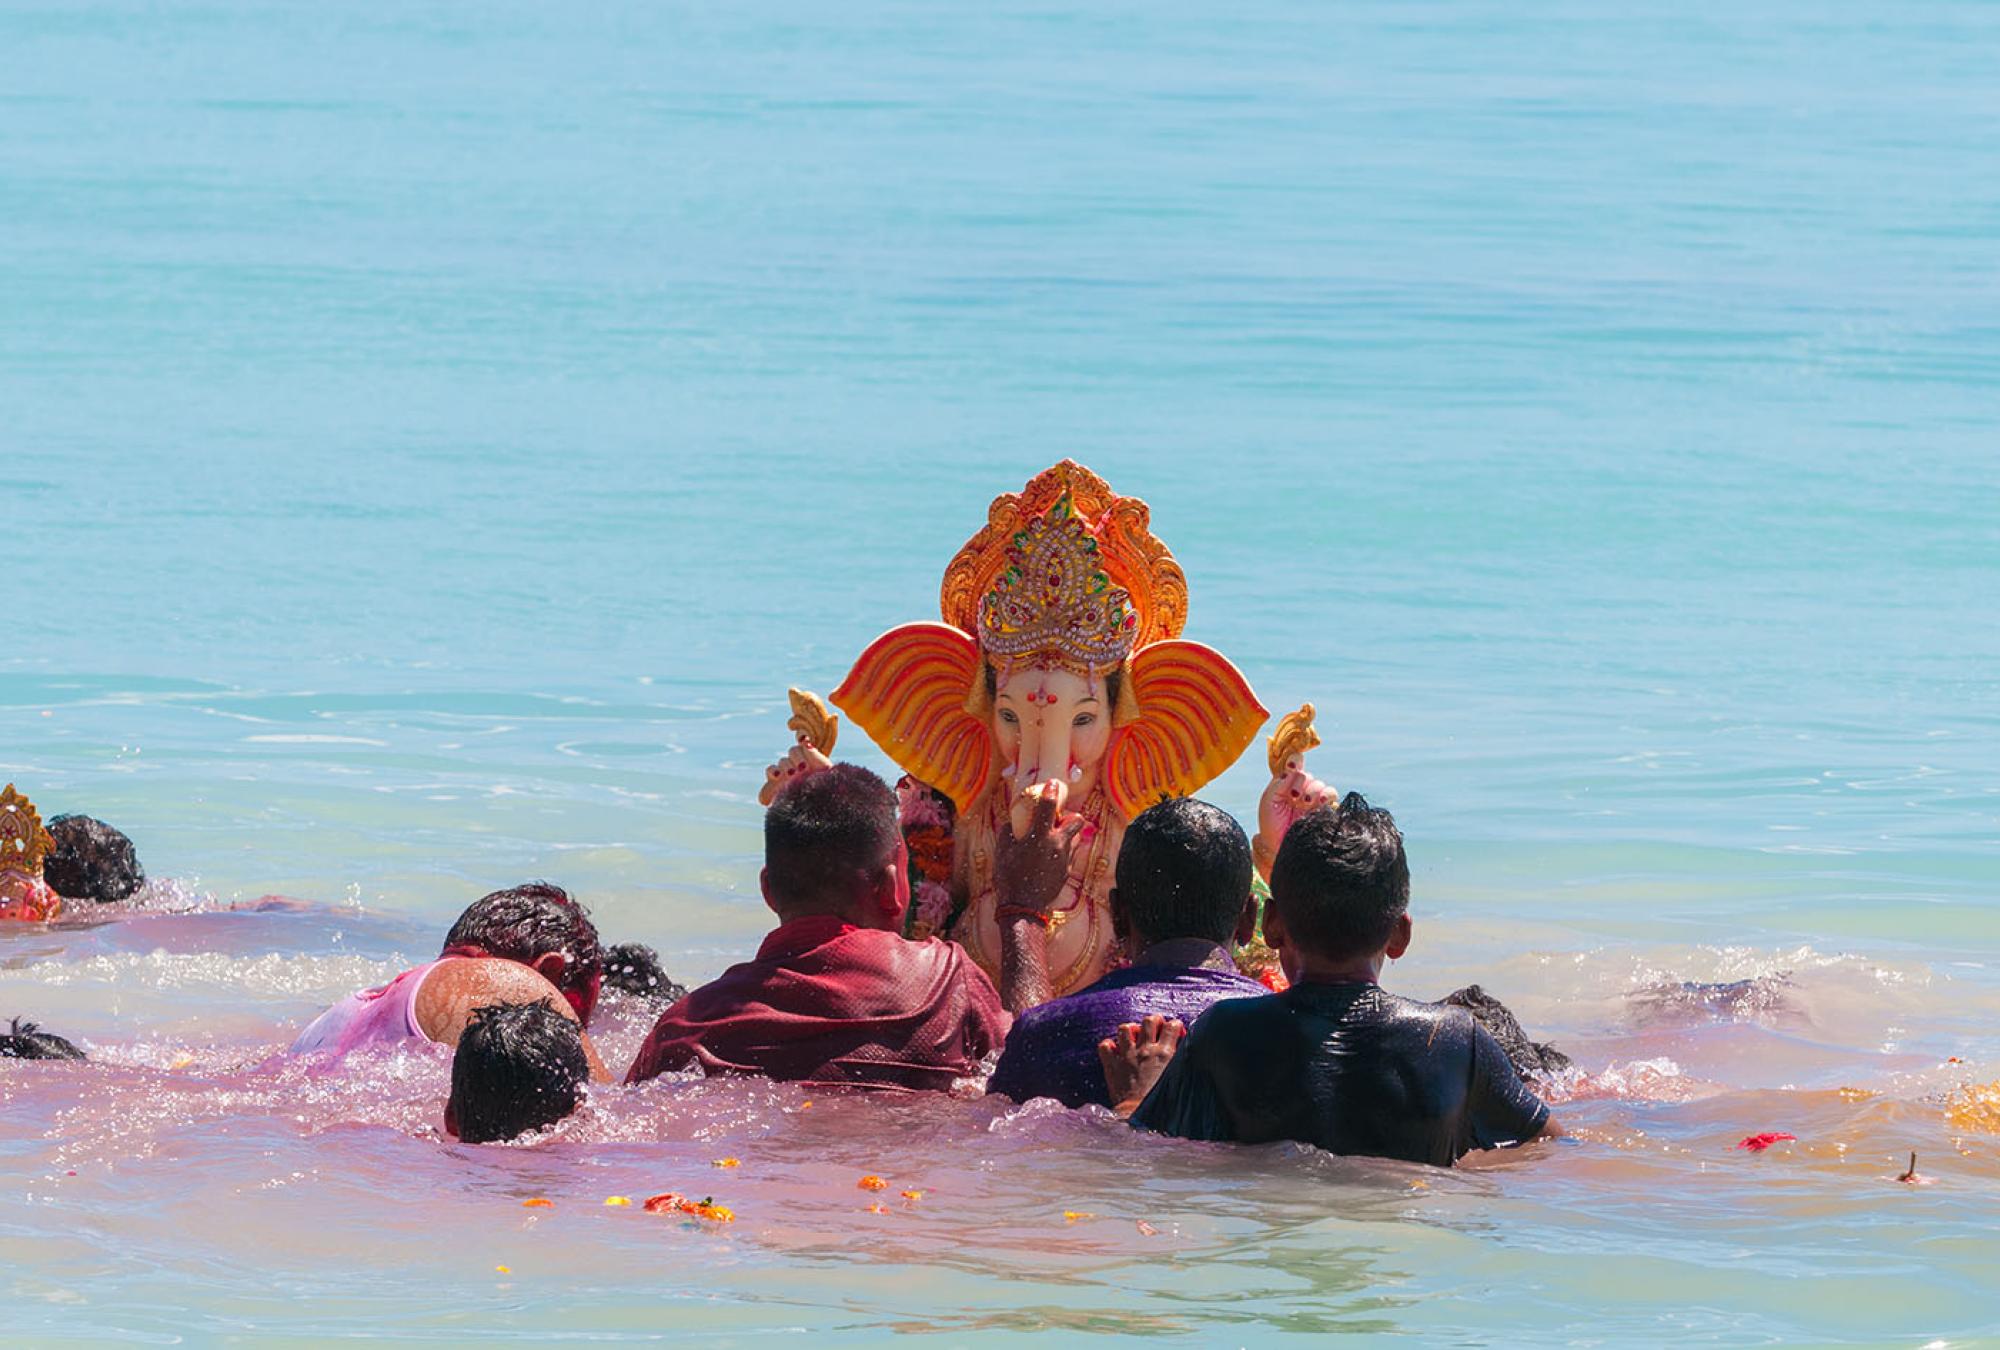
1181 895
1336 1060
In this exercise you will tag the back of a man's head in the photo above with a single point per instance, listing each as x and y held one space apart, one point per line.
518 1067
526 923
1341 880
1183 872
91 861
824 835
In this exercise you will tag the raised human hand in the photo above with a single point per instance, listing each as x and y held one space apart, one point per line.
1031 868
1135 1058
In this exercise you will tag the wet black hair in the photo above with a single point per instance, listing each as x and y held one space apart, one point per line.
526 923
25 1040
635 968
91 861
1183 872
518 1067
1341 879
823 831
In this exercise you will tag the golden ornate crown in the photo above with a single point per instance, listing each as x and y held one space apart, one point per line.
23 841
1119 528
1054 602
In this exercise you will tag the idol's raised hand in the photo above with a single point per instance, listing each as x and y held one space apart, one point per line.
816 729
1292 791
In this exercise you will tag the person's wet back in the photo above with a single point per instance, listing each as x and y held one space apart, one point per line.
836 994
528 944
1181 895
1336 1060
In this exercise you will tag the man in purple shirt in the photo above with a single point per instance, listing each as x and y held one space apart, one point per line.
1180 896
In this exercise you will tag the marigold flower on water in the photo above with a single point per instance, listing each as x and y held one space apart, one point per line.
871 1182
1072 1215
538 1202
503 1270
728 1162
618 1200
913 1195
877 1209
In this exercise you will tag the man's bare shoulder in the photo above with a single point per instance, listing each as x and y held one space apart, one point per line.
460 984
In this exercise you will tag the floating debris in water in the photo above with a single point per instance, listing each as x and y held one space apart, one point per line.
728 1162
1077 1215
1757 1143
618 1200
538 1202
871 1182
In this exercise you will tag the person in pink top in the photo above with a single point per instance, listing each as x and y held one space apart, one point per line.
529 944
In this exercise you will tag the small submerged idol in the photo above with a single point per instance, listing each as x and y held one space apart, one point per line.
24 848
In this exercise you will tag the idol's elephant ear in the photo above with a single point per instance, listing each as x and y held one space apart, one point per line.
1195 714
909 691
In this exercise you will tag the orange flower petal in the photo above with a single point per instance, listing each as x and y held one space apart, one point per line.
871 1182
538 1202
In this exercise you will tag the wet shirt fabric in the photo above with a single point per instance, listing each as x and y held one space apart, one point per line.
826 1002
1052 1050
384 1016
1350 1068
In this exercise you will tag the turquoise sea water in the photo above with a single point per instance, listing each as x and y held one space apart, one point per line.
435 437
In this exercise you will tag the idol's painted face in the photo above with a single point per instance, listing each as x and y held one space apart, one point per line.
1051 724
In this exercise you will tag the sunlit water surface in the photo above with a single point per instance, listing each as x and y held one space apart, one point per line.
435 437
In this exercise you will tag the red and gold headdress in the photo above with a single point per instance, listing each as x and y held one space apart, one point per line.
1066 573
24 844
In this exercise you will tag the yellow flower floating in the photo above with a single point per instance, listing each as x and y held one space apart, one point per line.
619 1200
503 1270
1075 1215
871 1182
728 1162
671 1202
913 1195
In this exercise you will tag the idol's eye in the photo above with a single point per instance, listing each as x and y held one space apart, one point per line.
1084 720
1007 716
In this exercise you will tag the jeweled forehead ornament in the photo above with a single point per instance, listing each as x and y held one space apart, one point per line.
1055 603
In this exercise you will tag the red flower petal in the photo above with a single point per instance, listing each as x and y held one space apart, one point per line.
1757 1143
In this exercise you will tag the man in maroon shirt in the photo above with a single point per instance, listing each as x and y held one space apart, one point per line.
836 995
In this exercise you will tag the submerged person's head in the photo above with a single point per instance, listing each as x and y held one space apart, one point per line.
25 1040
541 927
518 1067
832 846
91 861
634 968
1340 887
1183 872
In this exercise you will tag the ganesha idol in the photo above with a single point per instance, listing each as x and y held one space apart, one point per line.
1059 661
24 844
